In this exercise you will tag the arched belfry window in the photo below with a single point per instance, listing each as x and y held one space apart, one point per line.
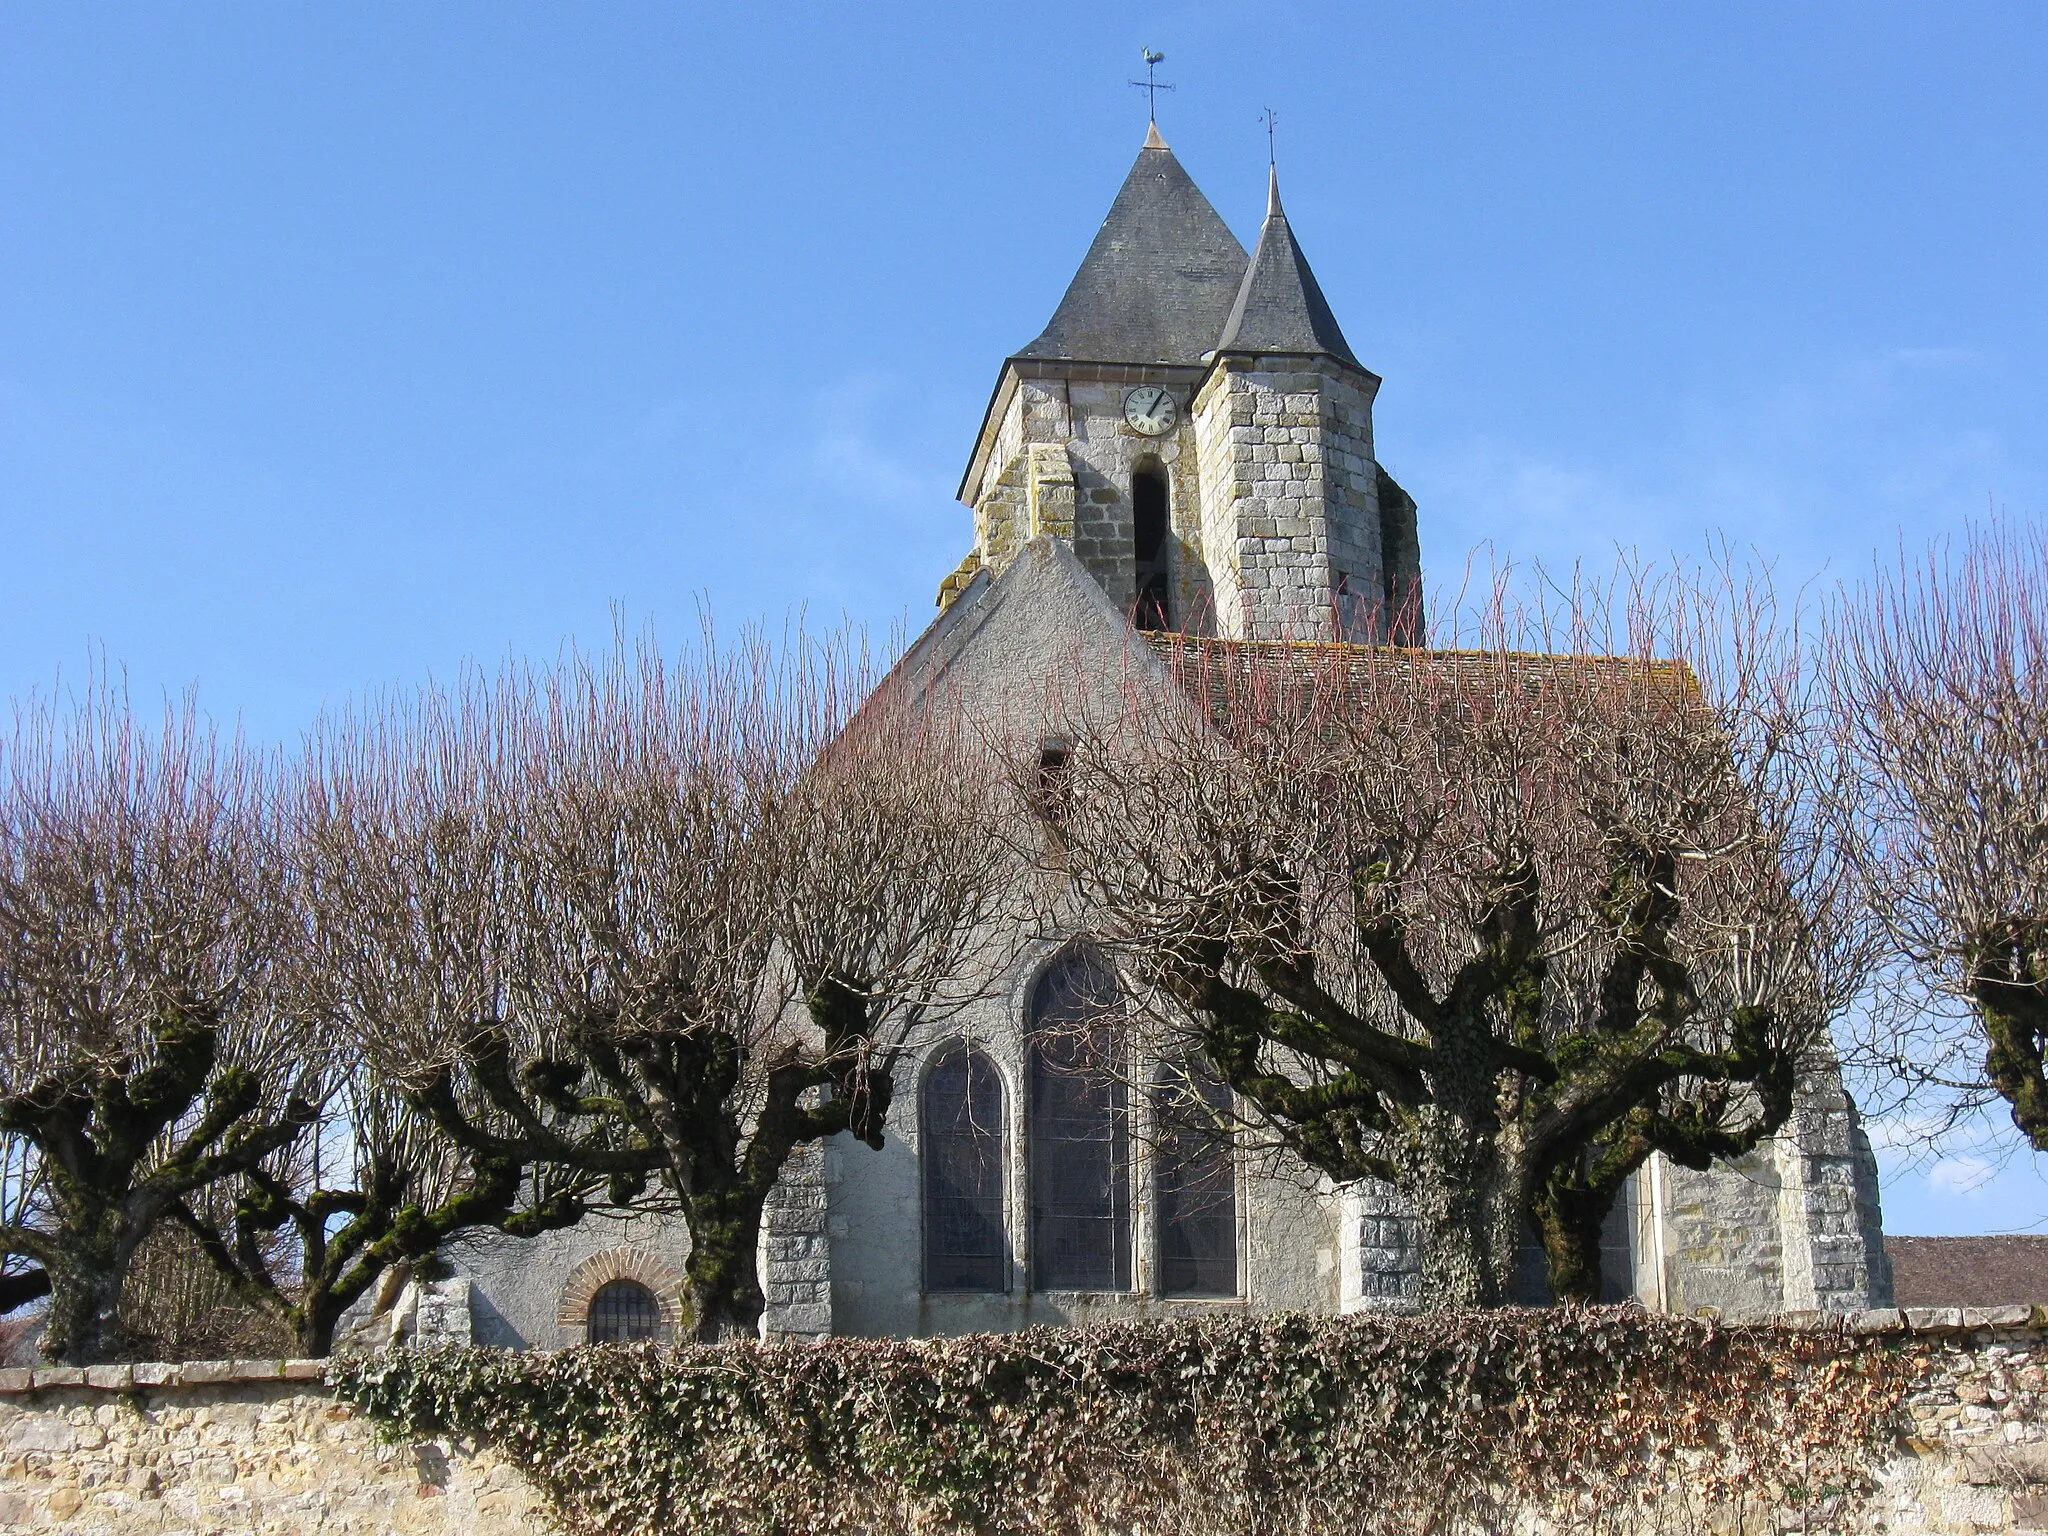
1079 1132
623 1312
961 1148
1195 1181
1150 525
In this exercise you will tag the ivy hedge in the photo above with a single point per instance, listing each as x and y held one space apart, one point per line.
1213 1424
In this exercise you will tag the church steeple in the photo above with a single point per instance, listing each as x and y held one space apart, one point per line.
1156 284
1280 308
1194 427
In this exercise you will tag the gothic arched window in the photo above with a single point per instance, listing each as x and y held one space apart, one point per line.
961 1148
623 1312
1196 1183
1080 1140
1149 528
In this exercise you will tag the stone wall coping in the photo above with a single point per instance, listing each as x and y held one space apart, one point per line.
1919 1322
153 1374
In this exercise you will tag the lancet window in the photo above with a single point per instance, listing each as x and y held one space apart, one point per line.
961 1135
1195 1182
1079 1130
1150 526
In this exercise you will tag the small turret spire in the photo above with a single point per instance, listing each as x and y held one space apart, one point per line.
1280 308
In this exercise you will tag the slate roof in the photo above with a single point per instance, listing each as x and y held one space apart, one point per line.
1968 1271
1279 306
1157 284
1167 282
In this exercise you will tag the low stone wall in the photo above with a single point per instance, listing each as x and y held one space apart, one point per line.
262 1447
232 1446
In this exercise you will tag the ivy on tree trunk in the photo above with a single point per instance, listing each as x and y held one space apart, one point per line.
661 1102
121 1146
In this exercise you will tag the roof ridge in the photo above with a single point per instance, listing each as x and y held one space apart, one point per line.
1167 641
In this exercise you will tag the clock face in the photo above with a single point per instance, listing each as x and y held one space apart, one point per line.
1150 410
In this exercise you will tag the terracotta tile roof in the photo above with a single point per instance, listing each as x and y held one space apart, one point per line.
1968 1271
1228 669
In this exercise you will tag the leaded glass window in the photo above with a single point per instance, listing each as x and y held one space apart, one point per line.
1080 1137
1196 1183
961 1146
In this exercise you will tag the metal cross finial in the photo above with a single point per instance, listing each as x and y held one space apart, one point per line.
1150 86
1271 118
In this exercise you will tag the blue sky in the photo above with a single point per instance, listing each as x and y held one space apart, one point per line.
341 343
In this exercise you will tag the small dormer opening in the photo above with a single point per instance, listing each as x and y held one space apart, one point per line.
1055 781
1150 525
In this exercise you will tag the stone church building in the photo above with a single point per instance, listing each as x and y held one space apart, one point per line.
1187 446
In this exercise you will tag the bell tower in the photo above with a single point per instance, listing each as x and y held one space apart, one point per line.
1193 423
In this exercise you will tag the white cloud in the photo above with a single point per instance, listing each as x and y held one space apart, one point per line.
1960 1175
1818 462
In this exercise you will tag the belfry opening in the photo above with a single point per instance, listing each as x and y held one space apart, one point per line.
1149 527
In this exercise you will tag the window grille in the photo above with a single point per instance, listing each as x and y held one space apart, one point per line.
623 1312
1196 1184
1080 1152
961 1148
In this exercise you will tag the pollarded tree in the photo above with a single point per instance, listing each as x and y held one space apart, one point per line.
718 905
376 1193
143 1058
1491 924
1940 674
22 1280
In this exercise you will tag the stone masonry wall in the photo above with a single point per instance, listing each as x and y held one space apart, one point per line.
1292 499
233 1446
796 1251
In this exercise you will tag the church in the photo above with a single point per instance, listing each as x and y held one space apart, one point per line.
1187 447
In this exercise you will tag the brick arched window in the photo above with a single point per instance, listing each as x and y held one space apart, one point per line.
1079 1132
961 1150
623 1312
1195 1182
611 1290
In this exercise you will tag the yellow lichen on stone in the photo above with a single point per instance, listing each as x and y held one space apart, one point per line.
1052 491
955 584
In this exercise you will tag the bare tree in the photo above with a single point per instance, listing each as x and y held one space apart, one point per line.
305 1237
1490 924
1940 673
22 1210
718 900
403 939
142 1057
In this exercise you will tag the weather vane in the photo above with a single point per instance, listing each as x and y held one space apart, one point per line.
1151 87
1271 118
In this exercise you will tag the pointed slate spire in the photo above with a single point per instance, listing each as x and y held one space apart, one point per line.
1279 306
1158 281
